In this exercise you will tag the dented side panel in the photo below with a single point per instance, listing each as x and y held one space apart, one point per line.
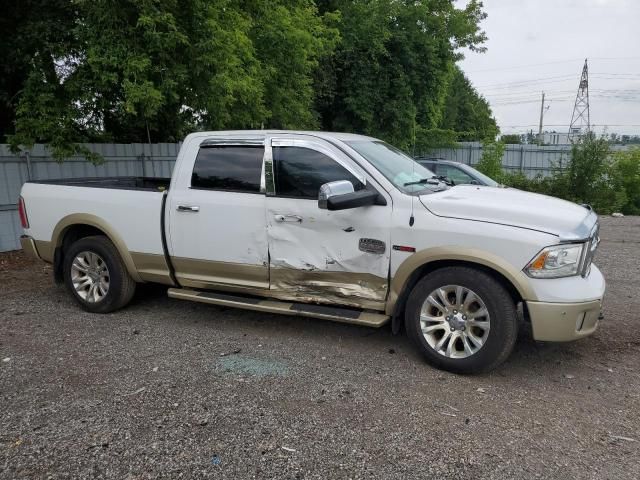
315 255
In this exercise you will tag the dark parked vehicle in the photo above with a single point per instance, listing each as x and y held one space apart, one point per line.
456 173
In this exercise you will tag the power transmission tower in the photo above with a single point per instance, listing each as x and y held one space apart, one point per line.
580 119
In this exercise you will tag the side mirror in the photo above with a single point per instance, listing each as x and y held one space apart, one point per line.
340 195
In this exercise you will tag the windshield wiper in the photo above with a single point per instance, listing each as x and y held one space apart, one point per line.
431 181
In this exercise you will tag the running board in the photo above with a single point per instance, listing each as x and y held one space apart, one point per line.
337 314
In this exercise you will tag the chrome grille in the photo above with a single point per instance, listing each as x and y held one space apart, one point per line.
590 250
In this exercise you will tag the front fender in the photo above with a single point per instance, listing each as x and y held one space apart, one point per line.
399 282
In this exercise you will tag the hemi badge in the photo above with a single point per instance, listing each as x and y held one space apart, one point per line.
403 248
371 245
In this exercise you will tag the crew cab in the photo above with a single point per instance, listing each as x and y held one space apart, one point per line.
335 226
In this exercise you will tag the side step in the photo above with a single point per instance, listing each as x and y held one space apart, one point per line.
337 314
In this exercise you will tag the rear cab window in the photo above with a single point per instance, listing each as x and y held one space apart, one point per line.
228 168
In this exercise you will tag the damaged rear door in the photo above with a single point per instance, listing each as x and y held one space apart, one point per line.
316 255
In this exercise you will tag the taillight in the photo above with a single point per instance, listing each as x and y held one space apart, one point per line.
22 211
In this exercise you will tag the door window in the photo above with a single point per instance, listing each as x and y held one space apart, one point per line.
229 168
454 173
300 172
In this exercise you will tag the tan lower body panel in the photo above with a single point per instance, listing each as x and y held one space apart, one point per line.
563 322
196 273
45 250
359 290
152 267
368 319
29 247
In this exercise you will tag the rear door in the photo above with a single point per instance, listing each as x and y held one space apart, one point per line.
318 255
217 226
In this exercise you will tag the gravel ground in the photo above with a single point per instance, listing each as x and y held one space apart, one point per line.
171 389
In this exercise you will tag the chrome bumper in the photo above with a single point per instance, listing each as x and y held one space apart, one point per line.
563 322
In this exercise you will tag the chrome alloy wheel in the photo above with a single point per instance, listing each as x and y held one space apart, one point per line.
454 321
90 277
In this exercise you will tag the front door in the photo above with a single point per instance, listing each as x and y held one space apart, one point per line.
217 234
318 255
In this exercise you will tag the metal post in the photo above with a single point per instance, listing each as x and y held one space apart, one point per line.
541 120
521 158
28 157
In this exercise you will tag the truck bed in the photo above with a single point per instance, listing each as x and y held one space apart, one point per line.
129 209
118 183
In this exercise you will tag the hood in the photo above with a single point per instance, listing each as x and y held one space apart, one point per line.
509 206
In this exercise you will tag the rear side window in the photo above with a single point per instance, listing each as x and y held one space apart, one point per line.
300 172
229 168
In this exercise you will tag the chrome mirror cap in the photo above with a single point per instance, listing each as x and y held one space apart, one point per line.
333 189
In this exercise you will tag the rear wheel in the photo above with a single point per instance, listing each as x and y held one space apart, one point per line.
462 319
96 276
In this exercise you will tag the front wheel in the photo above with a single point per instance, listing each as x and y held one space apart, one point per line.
96 276
462 319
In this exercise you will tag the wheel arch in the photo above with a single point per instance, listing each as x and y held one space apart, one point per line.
81 225
426 261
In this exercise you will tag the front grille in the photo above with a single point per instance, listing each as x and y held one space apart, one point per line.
591 247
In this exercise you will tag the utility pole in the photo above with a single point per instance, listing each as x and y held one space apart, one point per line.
581 119
541 120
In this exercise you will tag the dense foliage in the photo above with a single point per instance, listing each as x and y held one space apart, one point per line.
154 70
609 182
466 111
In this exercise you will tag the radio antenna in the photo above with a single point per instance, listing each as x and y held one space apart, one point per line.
413 169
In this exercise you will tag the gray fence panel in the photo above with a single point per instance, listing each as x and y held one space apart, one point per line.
10 230
120 160
532 160
157 160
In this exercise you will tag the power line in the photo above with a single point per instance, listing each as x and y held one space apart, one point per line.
517 67
539 82
515 82
602 124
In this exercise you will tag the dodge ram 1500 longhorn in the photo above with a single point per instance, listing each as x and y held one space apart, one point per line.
336 226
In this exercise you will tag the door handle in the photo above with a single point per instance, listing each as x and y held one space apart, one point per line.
287 218
188 208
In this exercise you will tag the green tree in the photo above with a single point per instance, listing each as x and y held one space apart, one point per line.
626 173
465 110
289 39
32 32
491 161
157 69
588 177
390 73
511 139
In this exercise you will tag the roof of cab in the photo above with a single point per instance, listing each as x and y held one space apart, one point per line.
261 133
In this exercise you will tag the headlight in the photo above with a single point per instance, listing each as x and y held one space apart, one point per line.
556 261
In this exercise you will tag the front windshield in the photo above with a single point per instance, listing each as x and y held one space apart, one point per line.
396 166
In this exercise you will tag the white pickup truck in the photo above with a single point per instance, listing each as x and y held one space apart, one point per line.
329 225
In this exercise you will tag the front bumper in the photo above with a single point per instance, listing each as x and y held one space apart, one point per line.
29 246
563 322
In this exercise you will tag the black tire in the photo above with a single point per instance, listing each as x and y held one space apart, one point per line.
121 285
503 330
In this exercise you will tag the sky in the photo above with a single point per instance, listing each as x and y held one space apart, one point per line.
537 45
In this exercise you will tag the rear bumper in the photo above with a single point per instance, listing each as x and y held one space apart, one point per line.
29 246
563 322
